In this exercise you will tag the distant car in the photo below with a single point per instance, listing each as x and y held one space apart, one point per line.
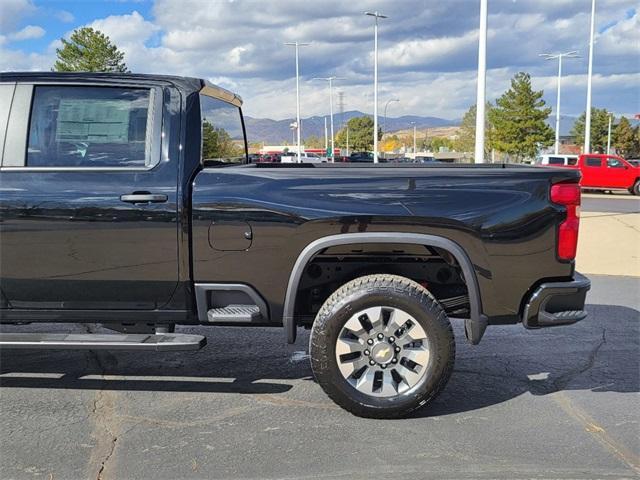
557 160
425 159
269 158
361 157
305 157
634 161
254 157
365 157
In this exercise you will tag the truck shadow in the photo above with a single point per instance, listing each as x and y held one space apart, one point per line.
601 354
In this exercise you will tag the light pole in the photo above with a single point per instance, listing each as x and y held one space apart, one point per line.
326 141
376 16
559 56
330 80
587 113
347 140
414 139
384 128
298 45
609 134
482 80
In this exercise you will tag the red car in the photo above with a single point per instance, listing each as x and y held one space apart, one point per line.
607 172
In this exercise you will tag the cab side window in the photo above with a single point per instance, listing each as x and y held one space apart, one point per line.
78 126
222 132
614 163
593 162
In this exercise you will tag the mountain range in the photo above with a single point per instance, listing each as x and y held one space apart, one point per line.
278 131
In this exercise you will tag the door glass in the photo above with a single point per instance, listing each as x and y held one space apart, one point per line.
614 163
222 132
593 162
89 127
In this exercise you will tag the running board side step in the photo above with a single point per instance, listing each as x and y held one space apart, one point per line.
165 342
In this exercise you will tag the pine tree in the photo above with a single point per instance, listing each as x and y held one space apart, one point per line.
599 129
519 120
466 140
625 139
89 50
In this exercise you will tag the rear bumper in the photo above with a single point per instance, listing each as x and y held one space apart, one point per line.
557 303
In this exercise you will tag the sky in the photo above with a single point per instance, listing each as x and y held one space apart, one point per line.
427 48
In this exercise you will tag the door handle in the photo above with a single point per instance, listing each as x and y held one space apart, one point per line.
144 197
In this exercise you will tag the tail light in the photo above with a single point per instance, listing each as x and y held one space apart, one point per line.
568 195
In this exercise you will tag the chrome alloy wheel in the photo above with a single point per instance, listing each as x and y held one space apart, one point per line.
382 351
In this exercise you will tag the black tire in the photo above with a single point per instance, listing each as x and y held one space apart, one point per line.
372 291
635 190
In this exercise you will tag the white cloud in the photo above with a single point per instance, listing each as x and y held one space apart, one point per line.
12 12
64 16
28 33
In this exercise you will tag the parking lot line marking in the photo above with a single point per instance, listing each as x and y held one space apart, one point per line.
597 432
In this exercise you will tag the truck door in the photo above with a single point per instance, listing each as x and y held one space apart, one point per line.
592 172
617 173
88 208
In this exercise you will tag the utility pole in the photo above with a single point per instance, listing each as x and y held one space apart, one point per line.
609 134
376 16
297 45
482 80
553 56
330 80
587 113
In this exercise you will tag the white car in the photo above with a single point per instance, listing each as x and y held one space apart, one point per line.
559 160
305 157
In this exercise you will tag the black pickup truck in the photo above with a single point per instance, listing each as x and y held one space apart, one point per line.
129 201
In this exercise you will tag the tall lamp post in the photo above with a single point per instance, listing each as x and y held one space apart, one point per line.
482 81
330 80
298 45
609 134
414 139
559 56
384 127
587 113
376 15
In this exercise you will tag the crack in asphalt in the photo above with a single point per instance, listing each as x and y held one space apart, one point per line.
560 383
105 424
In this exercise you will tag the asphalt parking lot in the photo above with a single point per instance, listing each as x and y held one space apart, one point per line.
556 403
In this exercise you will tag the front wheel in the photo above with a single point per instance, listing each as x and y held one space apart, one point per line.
382 346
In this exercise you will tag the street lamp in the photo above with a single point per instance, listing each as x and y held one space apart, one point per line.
559 56
414 139
297 45
482 81
376 16
609 134
330 80
587 113
384 129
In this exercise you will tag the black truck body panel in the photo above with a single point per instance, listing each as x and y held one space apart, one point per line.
73 251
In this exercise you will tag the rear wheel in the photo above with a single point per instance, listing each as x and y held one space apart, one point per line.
382 346
635 190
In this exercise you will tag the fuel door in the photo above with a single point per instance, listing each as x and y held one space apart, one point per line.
230 235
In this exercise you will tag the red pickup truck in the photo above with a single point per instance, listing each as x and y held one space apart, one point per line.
607 172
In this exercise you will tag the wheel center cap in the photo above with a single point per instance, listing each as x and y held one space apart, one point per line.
382 353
